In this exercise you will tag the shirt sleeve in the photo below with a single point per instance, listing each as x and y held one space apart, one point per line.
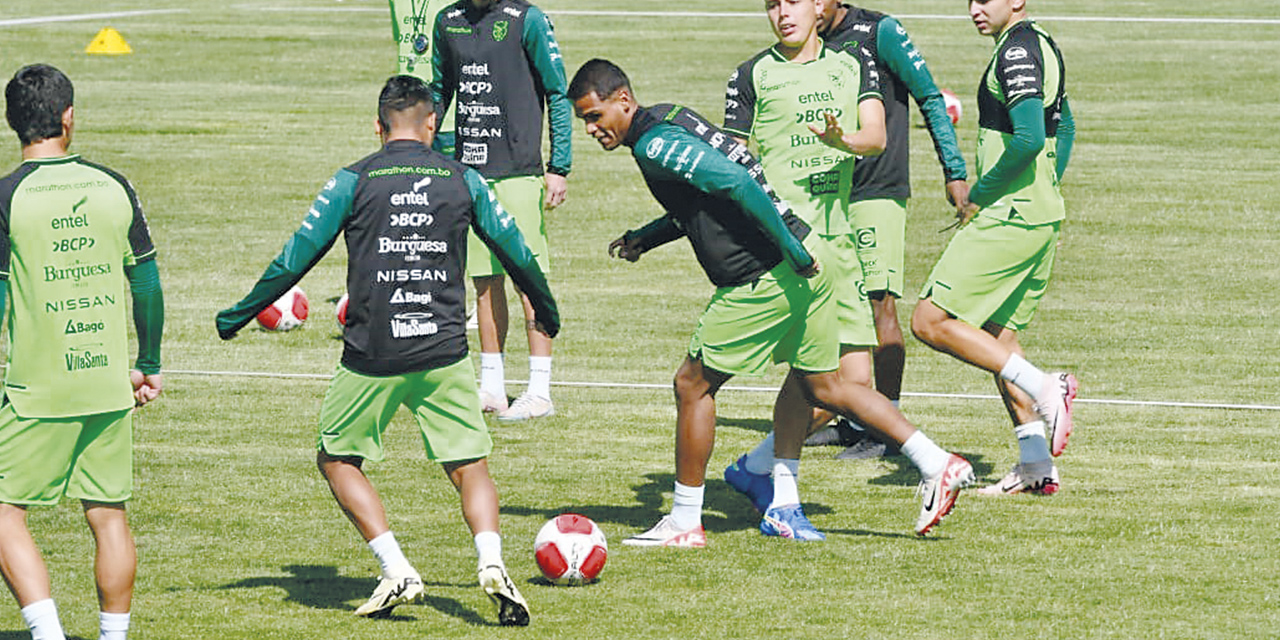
319 229
688 159
148 313
444 78
740 102
900 56
1066 137
495 227
870 75
540 43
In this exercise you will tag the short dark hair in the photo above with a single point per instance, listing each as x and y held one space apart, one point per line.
600 77
402 93
35 100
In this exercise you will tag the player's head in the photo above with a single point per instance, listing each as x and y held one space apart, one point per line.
828 11
794 22
602 97
992 17
405 105
38 103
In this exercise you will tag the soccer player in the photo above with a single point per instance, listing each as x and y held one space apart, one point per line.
499 59
985 288
772 98
72 234
881 187
404 212
773 302
412 23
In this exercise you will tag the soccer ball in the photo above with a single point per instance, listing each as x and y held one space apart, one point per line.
289 312
570 550
342 310
954 108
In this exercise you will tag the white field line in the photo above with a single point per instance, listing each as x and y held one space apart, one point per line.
648 385
758 15
80 17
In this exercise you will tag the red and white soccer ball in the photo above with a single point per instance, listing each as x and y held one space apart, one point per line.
341 311
289 312
954 108
570 550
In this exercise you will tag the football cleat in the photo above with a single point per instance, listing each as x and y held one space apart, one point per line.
513 611
1039 478
938 492
490 403
789 522
758 487
1058 394
667 534
527 406
391 593
839 434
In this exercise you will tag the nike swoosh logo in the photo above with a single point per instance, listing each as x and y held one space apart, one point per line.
79 204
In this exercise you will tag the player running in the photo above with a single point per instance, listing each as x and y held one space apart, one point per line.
404 212
881 187
72 234
772 302
499 59
986 286
778 98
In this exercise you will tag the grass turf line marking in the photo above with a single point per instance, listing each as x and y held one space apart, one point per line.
650 385
87 16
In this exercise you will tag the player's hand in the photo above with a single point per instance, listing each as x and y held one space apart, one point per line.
957 192
965 212
146 387
812 271
624 248
833 134
557 187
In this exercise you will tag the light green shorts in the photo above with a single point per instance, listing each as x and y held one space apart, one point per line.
994 272
84 457
522 197
781 317
357 409
857 325
880 229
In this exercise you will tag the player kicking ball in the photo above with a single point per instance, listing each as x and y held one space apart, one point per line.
773 302
405 342
985 288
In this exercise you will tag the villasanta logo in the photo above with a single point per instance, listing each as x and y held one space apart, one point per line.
80 359
413 325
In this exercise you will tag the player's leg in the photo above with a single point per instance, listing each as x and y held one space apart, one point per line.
492 323
25 573
480 510
1035 471
880 237
355 412
522 197
115 566
891 355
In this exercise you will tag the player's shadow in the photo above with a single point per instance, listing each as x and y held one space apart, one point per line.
760 425
321 587
26 635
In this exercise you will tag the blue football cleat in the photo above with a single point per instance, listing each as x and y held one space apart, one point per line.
789 522
756 486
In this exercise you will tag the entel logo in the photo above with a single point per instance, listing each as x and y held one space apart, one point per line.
476 69
402 199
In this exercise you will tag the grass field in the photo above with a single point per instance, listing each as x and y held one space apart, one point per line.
230 116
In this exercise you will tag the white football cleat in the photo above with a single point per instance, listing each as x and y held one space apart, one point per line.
1058 394
938 492
513 611
528 406
490 403
1040 478
391 593
667 534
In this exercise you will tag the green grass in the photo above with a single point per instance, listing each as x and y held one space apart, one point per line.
228 119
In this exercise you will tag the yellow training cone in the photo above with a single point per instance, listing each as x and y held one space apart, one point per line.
108 42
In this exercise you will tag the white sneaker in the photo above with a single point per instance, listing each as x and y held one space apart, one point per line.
938 492
528 406
667 534
513 611
391 593
1040 478
490 403
1055 408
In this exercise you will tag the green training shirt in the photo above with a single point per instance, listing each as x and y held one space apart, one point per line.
67 230
1015 186
774 101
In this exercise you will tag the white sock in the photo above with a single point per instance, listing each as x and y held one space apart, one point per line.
1023 374
540 376
928 457
687 508
1032 445
493 374
113 626
760 459
489 549
389 555
42 619
786 490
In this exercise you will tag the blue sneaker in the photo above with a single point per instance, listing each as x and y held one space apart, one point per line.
789 522
756 486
